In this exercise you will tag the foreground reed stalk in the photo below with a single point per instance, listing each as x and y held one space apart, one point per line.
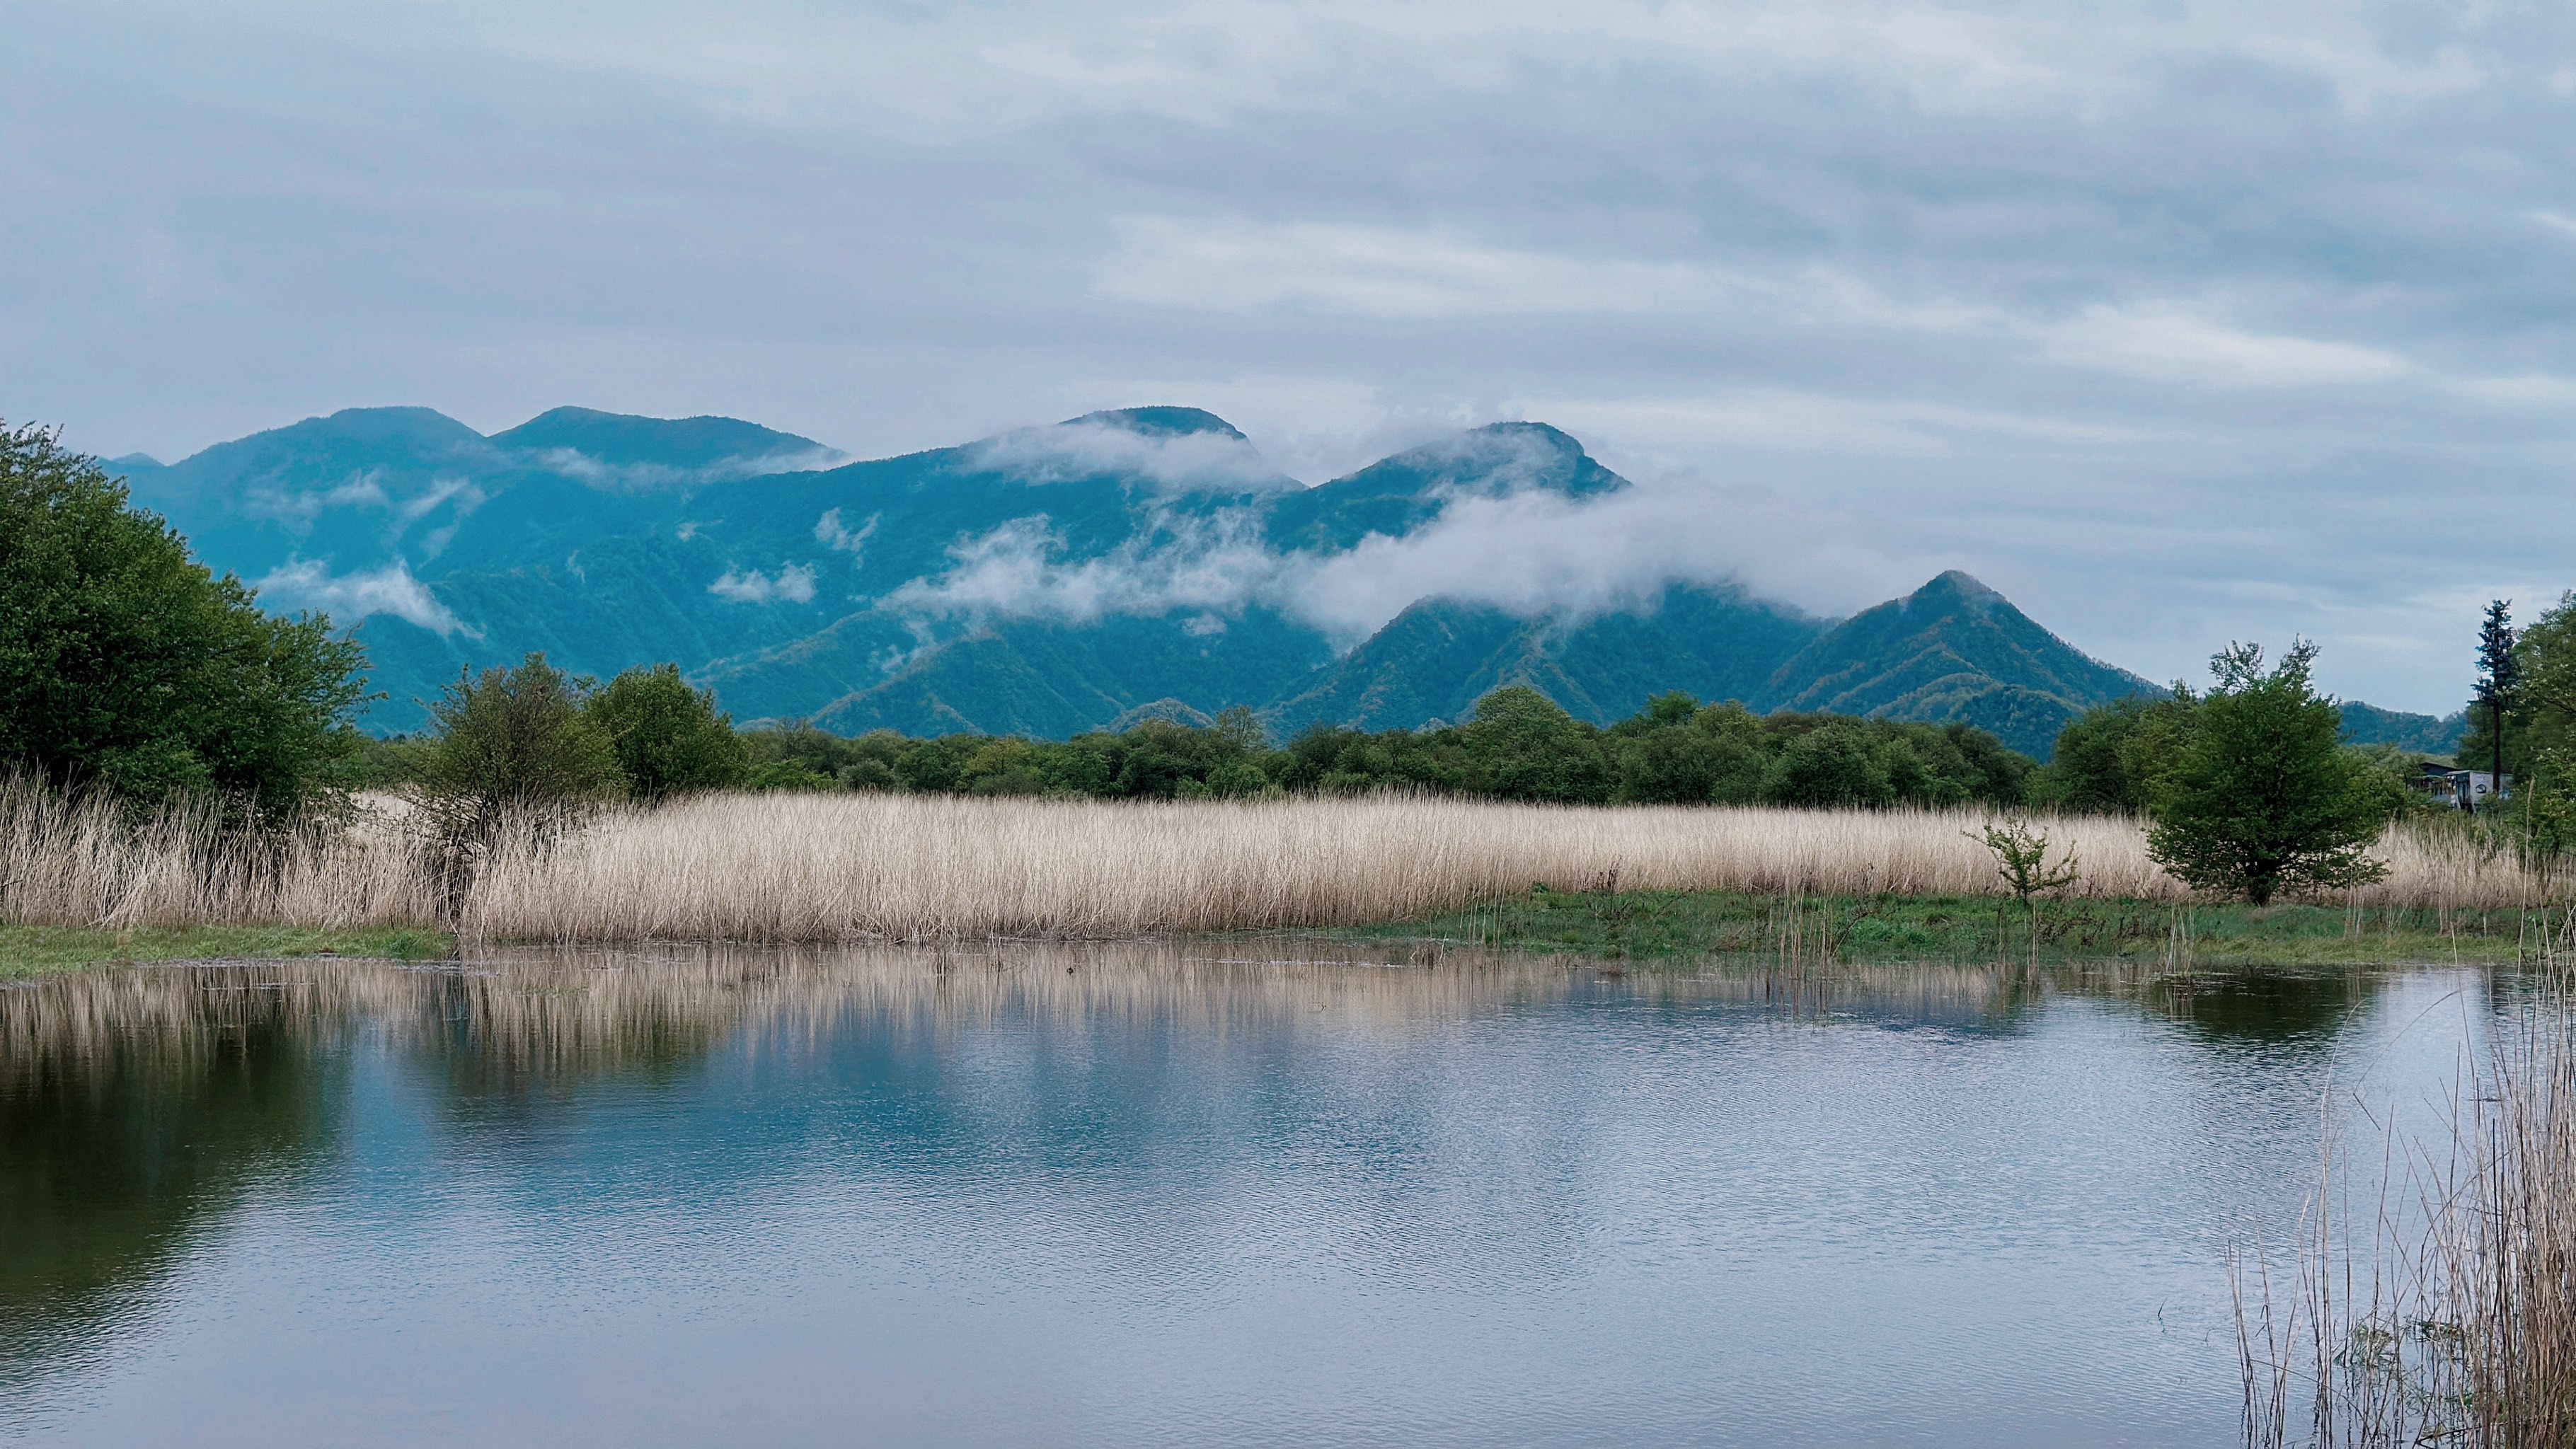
903 867
2450 1317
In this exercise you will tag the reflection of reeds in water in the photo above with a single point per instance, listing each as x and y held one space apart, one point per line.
829 868
576 1012
2449 1317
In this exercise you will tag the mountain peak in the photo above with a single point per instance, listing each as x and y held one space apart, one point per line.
626 440
1501 458
1954 586
1158 422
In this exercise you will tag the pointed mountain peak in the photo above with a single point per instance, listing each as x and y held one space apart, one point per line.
1957 586
1158 422
1538 435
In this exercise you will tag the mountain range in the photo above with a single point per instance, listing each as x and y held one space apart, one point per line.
1043 581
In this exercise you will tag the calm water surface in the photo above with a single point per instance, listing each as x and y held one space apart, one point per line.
1172 1194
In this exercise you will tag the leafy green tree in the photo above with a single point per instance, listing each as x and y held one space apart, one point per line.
515 739
1523 747
2114 759
2084 772
1833 764
2264 798
1679 753
125 664
794 775
669 738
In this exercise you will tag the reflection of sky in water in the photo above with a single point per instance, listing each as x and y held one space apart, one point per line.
1124 1195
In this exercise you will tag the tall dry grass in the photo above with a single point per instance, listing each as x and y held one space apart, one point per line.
910 867
85 862
2444 1311
820 868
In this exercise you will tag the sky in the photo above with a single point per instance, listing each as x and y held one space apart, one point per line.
2177 323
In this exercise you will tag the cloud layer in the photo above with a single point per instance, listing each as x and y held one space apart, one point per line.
2177 322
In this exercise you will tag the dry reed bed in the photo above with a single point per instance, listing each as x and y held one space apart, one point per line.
915 867
66 862
821 868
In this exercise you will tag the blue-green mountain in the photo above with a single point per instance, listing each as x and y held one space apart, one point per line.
1043 581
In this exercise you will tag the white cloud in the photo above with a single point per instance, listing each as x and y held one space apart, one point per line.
1365 271
1177 462
649 477
309 584
466 494
830 532
793 583
1783 420
2167 343
1385 273
1207 564
1526 550
2530 391
299 509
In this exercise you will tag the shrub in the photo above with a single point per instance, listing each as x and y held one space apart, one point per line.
515 739
669 739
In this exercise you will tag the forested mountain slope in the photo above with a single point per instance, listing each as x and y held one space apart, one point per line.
1043 581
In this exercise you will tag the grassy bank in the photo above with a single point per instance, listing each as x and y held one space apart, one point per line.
1678 926
30 951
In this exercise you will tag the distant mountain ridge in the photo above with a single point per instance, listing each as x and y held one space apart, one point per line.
1043 581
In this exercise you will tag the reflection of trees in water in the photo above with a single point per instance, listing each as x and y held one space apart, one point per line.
2267 1008
137 1107
118 1147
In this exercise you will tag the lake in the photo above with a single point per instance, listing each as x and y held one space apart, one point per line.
1171 1193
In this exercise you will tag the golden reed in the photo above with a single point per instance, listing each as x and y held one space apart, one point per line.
902 867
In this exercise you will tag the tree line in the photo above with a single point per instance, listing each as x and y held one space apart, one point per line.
648 734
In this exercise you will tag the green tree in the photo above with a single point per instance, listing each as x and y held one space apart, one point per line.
123 663
2499 679
2116 758
1836 763
669 739
514 739
2264 798
1681 753
1523 747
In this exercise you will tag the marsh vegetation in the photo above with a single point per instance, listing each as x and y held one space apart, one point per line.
787 866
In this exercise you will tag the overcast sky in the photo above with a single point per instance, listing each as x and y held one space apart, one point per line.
2176 322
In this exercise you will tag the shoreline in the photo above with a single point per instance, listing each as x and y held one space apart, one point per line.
1654 928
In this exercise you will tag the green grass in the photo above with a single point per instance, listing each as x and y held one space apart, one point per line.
1674 926
27 951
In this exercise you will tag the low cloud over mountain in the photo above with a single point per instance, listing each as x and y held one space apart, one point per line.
1053 579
